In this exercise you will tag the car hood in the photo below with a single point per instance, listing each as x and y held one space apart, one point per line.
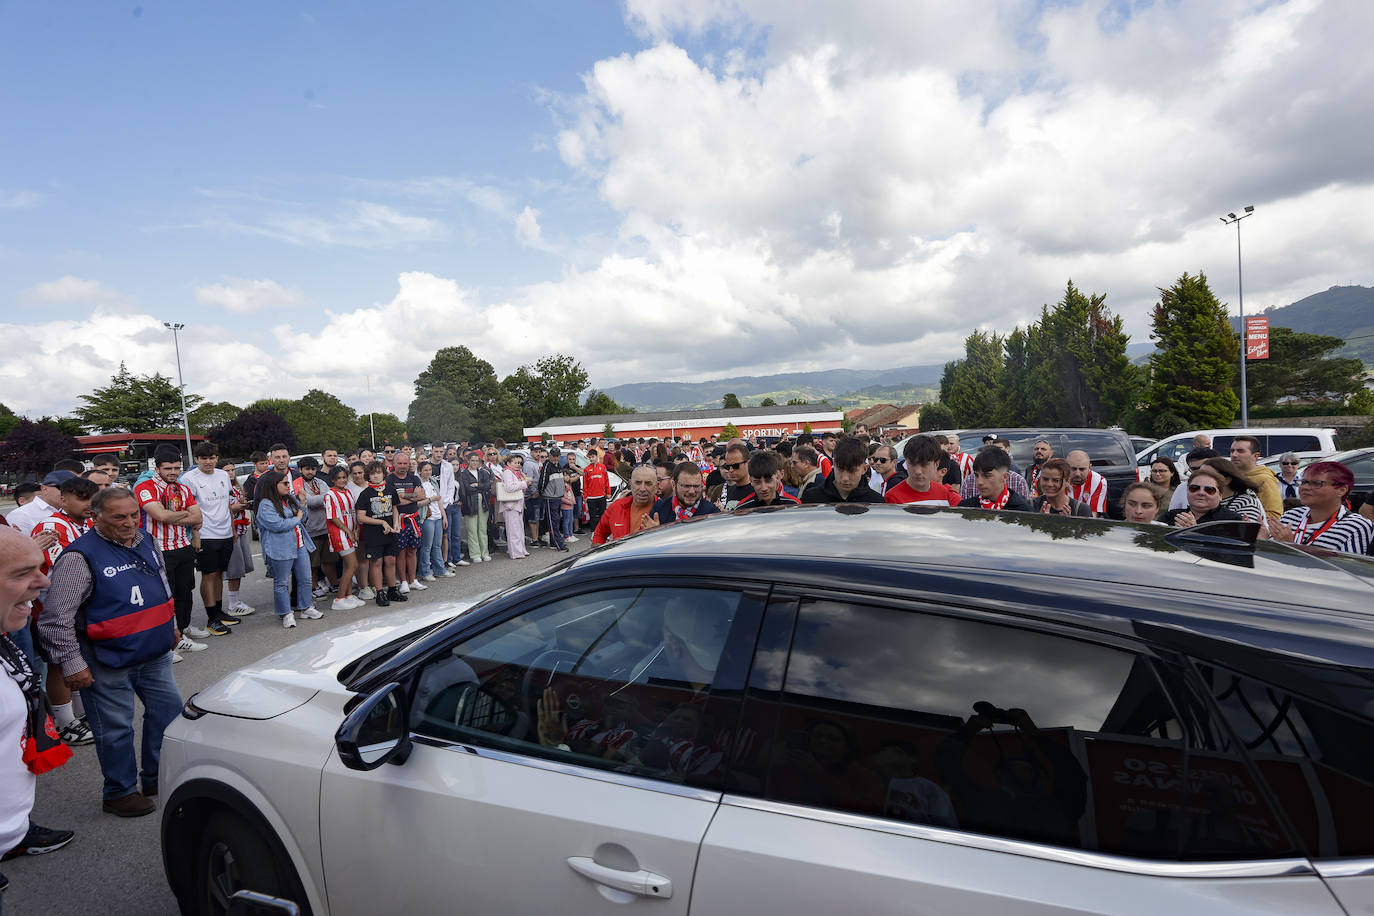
292 676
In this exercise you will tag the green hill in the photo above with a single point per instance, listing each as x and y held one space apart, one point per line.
1341 311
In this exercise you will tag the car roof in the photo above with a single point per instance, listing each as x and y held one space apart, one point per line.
1121 576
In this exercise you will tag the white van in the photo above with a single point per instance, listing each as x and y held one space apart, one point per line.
1303 441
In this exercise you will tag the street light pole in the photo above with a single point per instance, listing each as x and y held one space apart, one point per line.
371 427
1244 336
181 386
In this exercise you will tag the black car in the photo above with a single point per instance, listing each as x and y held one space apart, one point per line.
1110 452
814 709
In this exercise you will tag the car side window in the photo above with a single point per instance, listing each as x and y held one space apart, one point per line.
1277 445
992 729
1314 756
616 679
1103 451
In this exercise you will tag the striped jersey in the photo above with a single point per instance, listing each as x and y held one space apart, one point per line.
66 529
1092 491
965 462
1346 531
338 505
175 497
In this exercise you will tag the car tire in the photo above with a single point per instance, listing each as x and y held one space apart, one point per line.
233 856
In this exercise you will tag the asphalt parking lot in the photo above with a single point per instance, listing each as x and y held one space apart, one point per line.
114 866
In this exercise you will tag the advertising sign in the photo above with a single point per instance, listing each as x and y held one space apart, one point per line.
1257 338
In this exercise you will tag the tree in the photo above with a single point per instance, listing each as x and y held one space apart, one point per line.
1361 402
608 431
8 421
473 383
936 416
1298 366
387 427
729 431
1195 363
806 428
768 402
436 416
68 426
34 447
975 380
731 400
210 415
796 402
134 404
601 404
253 430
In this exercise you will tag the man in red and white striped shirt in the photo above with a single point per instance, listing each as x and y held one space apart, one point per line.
169 507
1086 485
964 461
67 524
342 525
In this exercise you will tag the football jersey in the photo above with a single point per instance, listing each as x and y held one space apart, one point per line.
175 497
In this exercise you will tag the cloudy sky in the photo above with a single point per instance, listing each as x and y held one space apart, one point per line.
665 189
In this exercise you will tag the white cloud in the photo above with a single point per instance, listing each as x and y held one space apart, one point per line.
235 294
358 224
527 228
69 290
19 200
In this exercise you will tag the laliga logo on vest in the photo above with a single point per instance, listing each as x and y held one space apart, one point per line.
112 571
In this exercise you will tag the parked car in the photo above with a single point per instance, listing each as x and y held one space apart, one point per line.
1303 441
865 706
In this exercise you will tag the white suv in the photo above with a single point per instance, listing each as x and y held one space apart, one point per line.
1305 442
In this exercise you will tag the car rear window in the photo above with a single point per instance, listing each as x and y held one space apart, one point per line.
1277 445
1104 449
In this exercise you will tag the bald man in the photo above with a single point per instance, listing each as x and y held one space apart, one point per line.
1086 485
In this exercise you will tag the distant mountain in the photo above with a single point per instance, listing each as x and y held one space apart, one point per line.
812 386
1341 311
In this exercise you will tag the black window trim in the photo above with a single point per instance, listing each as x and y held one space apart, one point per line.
954 607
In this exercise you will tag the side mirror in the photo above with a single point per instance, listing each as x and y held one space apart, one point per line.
377 731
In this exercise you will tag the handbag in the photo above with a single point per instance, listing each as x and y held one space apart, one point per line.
505 494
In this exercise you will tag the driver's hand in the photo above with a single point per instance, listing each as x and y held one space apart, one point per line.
553 725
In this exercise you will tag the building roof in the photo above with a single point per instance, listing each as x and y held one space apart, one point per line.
886 414
800 412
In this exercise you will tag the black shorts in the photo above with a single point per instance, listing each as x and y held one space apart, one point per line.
377 551
214 553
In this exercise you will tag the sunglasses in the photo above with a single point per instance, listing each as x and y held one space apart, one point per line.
1289 464
881 460
731 467
1195 487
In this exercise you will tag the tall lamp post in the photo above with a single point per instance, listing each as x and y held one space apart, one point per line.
181 385
1240 291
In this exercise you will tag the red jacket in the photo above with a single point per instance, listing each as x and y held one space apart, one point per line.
615 522
594 481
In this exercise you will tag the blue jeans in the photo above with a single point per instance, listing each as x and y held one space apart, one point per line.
455 532
281 582
567 523
109 706
430 559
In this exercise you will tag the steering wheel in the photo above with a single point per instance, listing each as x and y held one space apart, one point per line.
545 661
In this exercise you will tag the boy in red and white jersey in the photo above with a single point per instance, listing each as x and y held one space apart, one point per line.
342 527
169 510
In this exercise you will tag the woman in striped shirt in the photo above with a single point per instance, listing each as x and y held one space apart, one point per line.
1323 520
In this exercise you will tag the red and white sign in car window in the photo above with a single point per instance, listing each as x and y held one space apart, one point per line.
1257 338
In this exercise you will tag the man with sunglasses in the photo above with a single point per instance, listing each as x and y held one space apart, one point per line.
1323 520
885 466
735 469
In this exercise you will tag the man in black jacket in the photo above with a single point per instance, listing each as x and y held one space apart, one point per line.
848 478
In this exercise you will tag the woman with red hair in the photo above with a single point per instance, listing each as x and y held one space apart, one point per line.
1323 519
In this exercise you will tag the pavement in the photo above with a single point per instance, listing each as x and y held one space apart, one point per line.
114 866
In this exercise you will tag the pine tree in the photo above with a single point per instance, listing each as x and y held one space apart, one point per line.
1195 364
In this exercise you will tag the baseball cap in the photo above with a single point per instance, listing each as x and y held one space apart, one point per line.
57 478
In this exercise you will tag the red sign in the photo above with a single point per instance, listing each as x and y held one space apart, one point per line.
1257 338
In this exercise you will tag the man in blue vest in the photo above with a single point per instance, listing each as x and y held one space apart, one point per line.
108 622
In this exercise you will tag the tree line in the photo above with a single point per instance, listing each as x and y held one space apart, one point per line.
1070 368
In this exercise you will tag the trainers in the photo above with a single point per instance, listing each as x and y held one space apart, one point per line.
196 632
135 804
448 574
367 594
188 644
429 578
464 563
310 613
320 591
175 658
404 588
418 586
38 841
77 733
342 604
288 621
382 599
224 622
239 610
354 601
395 594
570 539
213 628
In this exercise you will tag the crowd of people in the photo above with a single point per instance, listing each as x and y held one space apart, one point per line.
99 574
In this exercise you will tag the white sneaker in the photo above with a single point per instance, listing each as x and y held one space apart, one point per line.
196 632
320 590
464 563
367 594
288 621
342 604
405 588
448 574
429 578
239 610
418 586
355 601
175 658
571 539
189 645
311 613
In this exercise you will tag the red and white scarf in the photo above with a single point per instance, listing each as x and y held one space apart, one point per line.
998 503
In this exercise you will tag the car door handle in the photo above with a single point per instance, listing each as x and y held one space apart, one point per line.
644 883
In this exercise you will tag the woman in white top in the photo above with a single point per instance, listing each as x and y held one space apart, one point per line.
433 522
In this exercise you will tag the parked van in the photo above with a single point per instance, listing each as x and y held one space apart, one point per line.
1303 441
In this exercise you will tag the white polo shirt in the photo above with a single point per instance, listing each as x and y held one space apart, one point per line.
212 495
